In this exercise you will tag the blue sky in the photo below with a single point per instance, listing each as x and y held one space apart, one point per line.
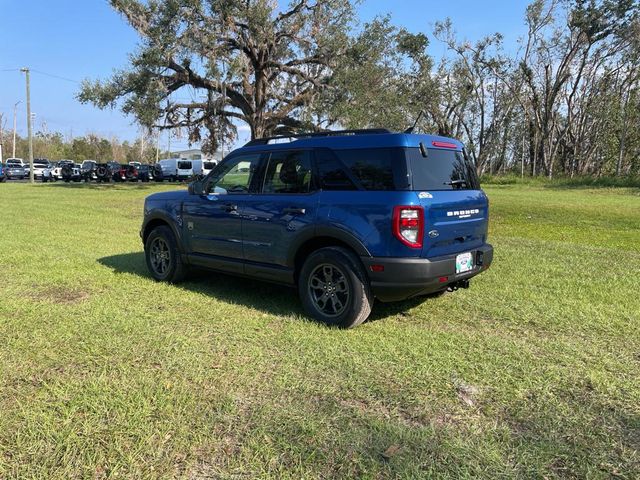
65 41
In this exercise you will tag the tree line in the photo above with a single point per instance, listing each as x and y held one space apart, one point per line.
55 146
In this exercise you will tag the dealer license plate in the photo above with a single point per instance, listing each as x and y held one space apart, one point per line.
464 262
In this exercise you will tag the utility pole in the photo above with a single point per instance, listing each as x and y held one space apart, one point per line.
27 73
15 113
158 146
1 139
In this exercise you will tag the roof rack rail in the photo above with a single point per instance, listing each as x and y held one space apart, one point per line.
328 133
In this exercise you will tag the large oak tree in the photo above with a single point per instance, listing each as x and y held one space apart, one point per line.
201 64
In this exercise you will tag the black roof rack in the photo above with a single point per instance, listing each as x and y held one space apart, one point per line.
328 133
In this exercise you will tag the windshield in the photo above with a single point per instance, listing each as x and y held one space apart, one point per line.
441 170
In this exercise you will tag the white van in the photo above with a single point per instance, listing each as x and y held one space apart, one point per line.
169 168
207 166
184 169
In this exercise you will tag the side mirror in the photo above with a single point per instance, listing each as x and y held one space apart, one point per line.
196 188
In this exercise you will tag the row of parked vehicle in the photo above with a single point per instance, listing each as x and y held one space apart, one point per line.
90 170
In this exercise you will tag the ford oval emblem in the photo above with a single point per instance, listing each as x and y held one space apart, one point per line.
434 233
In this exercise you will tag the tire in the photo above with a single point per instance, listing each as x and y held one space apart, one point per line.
102 173
158 175
66 174
339 271
131 174
162 241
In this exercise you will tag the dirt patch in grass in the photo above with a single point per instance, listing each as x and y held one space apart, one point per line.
64 296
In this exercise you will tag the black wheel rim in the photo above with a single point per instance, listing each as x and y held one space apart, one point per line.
329 290
160 256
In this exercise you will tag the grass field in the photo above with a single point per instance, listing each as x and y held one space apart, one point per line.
534 372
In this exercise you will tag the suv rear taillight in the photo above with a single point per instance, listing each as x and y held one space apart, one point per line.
408 225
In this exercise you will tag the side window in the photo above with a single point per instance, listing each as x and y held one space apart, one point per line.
288 172
331 172
234 175
373 167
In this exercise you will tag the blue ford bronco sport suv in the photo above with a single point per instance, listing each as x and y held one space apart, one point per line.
344 216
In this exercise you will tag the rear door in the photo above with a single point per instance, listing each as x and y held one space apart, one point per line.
285 207
185 168
455 209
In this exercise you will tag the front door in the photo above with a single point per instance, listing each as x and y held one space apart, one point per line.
213 221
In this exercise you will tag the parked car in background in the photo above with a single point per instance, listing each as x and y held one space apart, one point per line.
345 217
169 168
145 172
3 178
88 170
158 174
47 173
67 171
39 166
15 171
126 173
57 171
14 162
103 173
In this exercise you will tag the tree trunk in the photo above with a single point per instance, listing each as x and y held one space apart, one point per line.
623 135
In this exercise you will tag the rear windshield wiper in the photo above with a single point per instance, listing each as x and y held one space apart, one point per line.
455 183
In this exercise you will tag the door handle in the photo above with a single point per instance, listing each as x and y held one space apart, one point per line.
295 211
229 207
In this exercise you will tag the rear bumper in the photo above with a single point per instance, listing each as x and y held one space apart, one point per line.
404 278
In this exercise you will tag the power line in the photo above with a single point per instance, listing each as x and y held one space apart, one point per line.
42 73
55 76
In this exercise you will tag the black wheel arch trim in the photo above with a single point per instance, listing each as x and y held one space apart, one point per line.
326 231
164 218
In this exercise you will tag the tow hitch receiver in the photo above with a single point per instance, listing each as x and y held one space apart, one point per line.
459 284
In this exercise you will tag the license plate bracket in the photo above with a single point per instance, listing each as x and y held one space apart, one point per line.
464 262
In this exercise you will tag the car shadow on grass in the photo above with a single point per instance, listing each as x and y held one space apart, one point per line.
267 297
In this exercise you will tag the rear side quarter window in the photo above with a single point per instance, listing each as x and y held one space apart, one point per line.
373 167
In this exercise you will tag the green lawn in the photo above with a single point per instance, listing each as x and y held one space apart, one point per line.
533 372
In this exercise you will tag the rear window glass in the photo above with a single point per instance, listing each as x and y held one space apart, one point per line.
184 165
441 170
373 167
209 165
